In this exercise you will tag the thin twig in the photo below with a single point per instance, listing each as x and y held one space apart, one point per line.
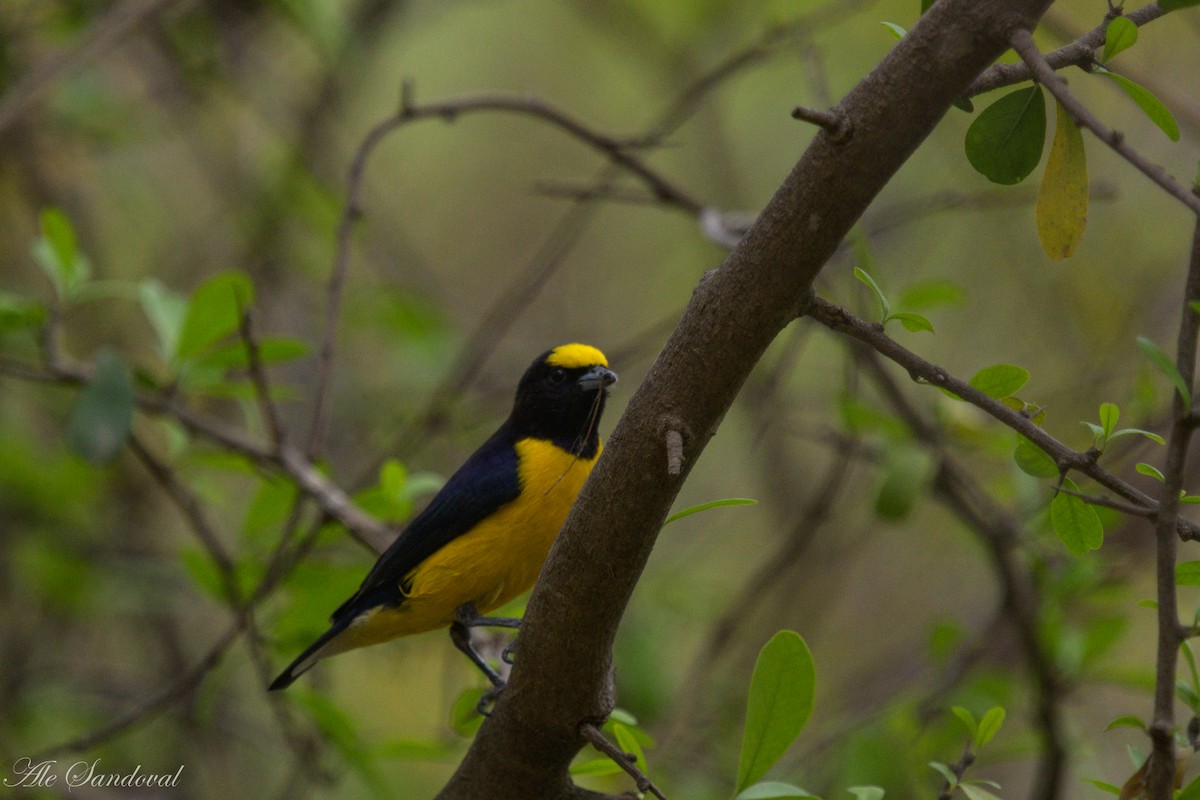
262 387
923 371
1043 73
625 761
835 124
1080 53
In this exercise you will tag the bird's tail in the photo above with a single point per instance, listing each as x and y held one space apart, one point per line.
321 648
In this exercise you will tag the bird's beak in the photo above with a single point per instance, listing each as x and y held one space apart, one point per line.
597 378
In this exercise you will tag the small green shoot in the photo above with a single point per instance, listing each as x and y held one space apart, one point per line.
911 320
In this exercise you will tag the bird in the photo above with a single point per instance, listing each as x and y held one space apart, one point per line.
481 541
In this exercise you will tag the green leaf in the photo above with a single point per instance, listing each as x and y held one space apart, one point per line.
773 790
1187 573
1159 359
1188 696
1005 141
729 501
1000 380
945 772
596 766
270 507
1062 202
1190 658
464 713
57 252
863 276
866 792
203 573
894 29
1192 790
103 411
780 703
235 355
932 293
17 313
1075 522
1126 721
1174 5
1121 35
213 313
1109 413
974 791
1102 786
1033 460
908 471
1153 108
1154 437
989 725
858 416
166 311
624 717
967 719
628 743
1151 470
912 322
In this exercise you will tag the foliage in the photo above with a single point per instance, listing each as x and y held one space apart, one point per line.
176 214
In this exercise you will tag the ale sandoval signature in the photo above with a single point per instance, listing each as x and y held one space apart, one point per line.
33 774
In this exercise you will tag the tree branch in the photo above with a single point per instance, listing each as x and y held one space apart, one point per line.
1022 42
1160 777
923 371
561 679
1080 53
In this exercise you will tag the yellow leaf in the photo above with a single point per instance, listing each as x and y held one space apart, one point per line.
1063 197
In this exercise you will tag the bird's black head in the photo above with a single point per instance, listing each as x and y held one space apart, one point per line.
561 397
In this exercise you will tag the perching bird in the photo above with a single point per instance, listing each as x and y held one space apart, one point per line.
482 539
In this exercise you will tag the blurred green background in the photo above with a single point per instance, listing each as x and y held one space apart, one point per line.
217 136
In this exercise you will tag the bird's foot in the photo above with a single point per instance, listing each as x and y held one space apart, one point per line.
488 700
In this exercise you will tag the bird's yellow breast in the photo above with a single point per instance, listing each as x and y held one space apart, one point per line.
498 559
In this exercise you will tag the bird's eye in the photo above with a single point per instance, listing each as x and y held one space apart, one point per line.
558 375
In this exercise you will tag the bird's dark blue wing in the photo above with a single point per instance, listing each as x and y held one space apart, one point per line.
487 481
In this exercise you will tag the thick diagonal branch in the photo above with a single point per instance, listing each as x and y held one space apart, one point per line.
562 678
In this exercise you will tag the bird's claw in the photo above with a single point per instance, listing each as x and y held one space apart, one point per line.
489 698
507 654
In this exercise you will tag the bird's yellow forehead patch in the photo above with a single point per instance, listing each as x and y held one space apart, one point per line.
571 356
